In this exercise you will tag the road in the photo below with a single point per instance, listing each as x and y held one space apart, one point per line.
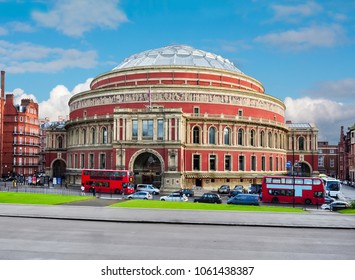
36 238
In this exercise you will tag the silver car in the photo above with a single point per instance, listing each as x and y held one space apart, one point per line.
148 188
175 197
140 195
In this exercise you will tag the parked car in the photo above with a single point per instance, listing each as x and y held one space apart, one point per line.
179 197
140 195
255 189
148 188
239 188
244 199
224 189
209 198
336 205
234 193
187 192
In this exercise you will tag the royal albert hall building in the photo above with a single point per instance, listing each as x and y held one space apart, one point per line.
178 117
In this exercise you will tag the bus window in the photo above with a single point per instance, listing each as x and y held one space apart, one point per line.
308 181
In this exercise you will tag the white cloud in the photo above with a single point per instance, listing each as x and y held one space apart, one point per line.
327 115
335 90
75 17
27 57
305 38
3 31
57 103
297 12
20 27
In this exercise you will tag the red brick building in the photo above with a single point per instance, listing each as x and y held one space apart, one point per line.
179 116
20 155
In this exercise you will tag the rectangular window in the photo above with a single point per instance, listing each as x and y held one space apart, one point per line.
196 162
321 161
263 165
332 151
271 162
91 161
82 161
160 129
196 111
75 161
241 163
213 162
102 161
253 163
277 164
228 163
147 129
134 129
331 162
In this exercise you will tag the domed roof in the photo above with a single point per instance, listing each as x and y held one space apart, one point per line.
177 55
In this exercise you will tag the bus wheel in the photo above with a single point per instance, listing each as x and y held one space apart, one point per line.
117 191
91 190
275 200
308 201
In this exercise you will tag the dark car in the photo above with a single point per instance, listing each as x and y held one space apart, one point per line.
234 193
244 199
187 192
255 189
209 198
224 189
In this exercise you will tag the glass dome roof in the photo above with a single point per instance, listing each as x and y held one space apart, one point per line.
177 55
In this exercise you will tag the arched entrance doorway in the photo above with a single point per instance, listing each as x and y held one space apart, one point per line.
147 169
302 169
58 169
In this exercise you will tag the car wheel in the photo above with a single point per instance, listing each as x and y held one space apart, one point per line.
162 199
145 198
130 198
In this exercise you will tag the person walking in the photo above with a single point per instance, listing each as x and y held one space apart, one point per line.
94 191
82 189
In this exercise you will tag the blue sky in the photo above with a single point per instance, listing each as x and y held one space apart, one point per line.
302 51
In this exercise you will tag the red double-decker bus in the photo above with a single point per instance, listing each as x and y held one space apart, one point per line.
299 190
108 181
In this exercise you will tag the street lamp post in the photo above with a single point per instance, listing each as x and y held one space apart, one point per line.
293 169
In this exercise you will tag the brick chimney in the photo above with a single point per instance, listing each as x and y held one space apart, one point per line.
2 84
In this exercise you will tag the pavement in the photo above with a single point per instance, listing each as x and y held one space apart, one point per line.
98 210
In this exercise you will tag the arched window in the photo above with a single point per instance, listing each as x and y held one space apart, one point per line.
196 135
212 135
60 142
276 139
227 136
93 135
84 136
270 140
104 135
301 143
262 139
240 137
252 137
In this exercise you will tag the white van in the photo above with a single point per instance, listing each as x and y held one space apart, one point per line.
148 188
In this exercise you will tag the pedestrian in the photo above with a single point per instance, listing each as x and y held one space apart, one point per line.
93 191
82 189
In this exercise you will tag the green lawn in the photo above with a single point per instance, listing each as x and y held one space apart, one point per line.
201 206
35 198
347 211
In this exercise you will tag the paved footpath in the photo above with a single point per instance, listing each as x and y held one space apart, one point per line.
95 210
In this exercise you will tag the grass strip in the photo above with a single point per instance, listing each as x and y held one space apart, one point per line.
38 198
202 206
